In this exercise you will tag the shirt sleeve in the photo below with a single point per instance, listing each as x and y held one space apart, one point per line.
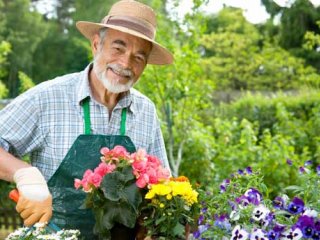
157 146
19 125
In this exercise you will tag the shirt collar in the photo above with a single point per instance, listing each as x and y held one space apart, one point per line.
84 91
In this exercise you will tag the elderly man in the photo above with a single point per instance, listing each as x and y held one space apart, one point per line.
64 122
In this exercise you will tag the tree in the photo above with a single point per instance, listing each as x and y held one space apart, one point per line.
237 57
24 29
61 53
74 49
5 48
296 21
25 82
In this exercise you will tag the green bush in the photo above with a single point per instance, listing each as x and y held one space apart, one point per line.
3 90
260 132
264 108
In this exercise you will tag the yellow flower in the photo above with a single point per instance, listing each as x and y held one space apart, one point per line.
161 205
158 189
172 189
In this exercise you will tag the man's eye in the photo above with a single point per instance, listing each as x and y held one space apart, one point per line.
140 58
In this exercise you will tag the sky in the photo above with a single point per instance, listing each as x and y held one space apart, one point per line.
254 11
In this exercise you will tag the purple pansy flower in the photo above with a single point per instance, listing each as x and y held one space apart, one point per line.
306 225
258 234
243 201
307 163
276 232
278 203
316 233
254 196
239 234
200 219
201 229
289 162
222 222
292 234
260 213
296 206
249 170
268 219
233 205
302 170
224 185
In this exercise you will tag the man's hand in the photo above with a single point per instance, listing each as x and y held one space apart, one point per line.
35 201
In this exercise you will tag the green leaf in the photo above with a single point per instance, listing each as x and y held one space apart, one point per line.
119 212
112 185
178 229
118 186
132 194
294 188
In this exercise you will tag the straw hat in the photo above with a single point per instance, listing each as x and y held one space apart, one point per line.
134 18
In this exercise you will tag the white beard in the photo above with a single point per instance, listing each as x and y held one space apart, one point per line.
112 86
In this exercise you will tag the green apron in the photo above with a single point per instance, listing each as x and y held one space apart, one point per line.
84 154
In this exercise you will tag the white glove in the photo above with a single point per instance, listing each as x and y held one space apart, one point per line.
31 184
35 201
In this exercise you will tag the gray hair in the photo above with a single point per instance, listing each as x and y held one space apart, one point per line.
102 35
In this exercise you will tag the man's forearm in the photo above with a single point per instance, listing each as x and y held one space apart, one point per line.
9 164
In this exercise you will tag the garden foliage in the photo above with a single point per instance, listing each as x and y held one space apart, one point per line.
259 131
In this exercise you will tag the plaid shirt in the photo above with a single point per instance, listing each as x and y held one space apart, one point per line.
47 119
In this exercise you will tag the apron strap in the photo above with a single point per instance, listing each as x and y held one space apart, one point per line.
87 122
123 121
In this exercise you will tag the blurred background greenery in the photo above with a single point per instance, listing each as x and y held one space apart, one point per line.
239 94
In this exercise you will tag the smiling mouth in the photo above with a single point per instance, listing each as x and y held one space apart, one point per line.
120 73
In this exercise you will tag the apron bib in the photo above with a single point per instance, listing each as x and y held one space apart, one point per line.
84 154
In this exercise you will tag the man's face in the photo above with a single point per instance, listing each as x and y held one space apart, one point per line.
120 60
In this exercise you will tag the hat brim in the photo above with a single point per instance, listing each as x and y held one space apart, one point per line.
158 55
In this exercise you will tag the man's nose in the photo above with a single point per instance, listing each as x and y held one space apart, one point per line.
126 61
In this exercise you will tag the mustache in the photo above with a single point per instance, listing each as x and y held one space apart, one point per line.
118 69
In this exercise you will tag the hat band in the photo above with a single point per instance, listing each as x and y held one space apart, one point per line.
131 23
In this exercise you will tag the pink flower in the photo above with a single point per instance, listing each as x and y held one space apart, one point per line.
87 175
148 169
86 186
77 183
152 175
163 173
120 151
87 179
104 150
139 155
96 180
154 160
104 169
142 181
139 165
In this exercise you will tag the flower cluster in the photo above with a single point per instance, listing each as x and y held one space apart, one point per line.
173 205
239 211
176 187
135 185
39 232
146 168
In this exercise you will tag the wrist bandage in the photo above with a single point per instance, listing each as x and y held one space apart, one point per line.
31 184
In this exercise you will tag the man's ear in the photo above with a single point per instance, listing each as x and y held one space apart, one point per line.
95 44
